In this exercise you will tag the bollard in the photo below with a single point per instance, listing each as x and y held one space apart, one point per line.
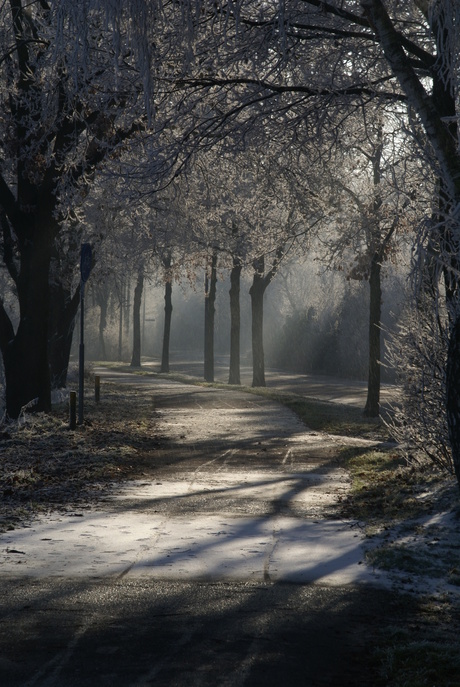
73 409
97 388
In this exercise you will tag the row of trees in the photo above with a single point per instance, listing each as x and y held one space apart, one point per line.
336 117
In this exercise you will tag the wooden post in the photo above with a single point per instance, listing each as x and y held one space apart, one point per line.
73 409
97 388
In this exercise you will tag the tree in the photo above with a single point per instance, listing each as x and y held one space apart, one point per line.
55 132
235 320
136 356
437 112
209 312
260 283
166 261
76 86
372 175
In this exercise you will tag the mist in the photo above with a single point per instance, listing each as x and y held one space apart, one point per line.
315 322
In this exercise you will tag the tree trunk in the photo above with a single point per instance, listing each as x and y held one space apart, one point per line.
372 408
209 312
167 327
63 312
453 395
234 373
102 326
127 305
136 357
260 283
25 353
120 322
257 291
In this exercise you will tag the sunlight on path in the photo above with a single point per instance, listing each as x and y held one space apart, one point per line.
204 547
243 494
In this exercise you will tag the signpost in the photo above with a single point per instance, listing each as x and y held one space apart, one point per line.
85 270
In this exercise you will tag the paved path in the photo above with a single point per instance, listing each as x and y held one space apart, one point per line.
187 579
244 496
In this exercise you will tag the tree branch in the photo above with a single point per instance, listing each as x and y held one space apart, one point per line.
438 134
427 58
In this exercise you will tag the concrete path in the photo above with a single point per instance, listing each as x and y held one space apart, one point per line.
229 568
243 491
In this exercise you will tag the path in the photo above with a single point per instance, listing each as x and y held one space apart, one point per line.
322 387
243 504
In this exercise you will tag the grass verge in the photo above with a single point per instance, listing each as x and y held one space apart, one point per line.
402 509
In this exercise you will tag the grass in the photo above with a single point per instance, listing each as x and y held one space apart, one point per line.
386 489
425 663
422 652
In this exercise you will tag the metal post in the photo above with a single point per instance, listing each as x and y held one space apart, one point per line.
97 388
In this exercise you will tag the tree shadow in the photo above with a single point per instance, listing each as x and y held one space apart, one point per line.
128 632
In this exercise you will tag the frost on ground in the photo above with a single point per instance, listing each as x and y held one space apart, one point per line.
422 555
44 466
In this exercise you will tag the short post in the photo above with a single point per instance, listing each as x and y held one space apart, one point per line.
73 409
97 388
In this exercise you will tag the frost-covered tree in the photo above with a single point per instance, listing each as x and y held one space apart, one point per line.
314 62
374 179
69 96
77 82
416 45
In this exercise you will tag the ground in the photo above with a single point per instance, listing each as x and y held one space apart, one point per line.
257 594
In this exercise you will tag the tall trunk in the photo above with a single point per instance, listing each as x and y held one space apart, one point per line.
127 305
453 395
235 275
453 352
25 355
102 326
209 312
120 322
260 284
136 357
167 327
257 291
377 246
63 312
372 408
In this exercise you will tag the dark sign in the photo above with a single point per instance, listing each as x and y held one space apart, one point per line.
85 261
